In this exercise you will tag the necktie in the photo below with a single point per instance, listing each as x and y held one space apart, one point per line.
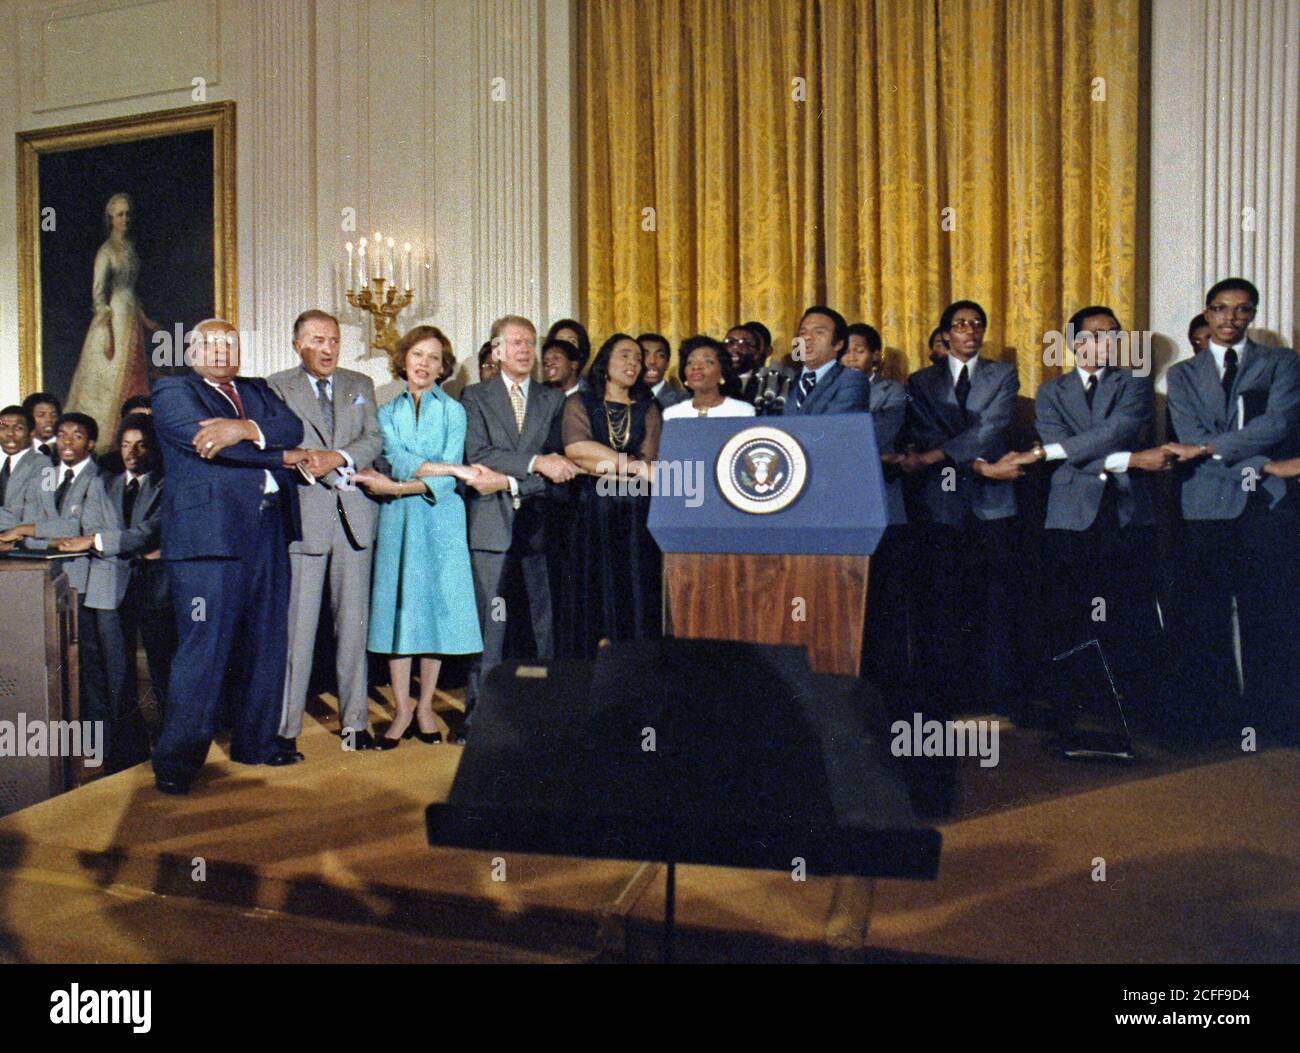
45 449
1090 389
806 383
963 388
517 404
4 480
228 389
326 407
62 491
128 500
1229 375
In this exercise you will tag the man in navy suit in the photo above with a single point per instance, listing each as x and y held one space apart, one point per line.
959 418
229 512
823 384
1236 409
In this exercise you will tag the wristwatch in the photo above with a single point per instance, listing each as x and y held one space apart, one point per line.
1039 451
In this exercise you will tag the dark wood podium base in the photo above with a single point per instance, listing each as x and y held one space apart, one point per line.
818 601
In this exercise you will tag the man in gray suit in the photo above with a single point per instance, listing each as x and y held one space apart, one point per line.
1100 540
339 522
959 415
121 526
19 463
1236 410
512 425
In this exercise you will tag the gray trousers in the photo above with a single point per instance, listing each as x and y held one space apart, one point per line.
521 579
349 578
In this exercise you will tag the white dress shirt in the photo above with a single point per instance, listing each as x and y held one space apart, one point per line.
956 365
1219 351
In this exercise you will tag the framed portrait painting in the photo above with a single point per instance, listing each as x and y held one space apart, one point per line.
126 239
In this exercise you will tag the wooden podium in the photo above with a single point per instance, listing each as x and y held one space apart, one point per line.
38 672
748 560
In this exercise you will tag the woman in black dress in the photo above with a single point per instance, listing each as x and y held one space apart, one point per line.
611 431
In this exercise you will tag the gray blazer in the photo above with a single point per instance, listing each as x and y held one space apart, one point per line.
110 570
1269 380
356 432
1123 409
888 411
492 438
39 508
934 422
20 477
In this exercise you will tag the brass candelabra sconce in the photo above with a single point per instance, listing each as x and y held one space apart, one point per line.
373 287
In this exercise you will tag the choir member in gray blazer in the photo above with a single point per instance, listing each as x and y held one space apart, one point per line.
1096 422
339 523
122 524
1236 410
19 463
959 416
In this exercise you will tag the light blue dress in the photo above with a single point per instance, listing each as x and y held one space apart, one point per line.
422 592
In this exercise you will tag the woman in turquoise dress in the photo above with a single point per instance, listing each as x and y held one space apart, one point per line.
422 591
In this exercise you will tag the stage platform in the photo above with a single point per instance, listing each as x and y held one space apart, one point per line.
326 861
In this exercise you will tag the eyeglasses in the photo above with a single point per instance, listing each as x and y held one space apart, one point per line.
966 323
1241 310
740 341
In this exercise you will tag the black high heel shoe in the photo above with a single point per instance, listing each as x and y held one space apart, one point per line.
383 742
429 738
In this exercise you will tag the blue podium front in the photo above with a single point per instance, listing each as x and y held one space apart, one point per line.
770 485
767 525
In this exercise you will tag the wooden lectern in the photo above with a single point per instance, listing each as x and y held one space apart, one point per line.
775 547
38 671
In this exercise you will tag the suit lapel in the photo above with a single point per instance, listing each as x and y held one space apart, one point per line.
1106 394
1074 403
1253 364
1210 387
214 399
309 406
532 414
820 389
945 398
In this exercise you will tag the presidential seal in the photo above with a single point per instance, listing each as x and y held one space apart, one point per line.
761 470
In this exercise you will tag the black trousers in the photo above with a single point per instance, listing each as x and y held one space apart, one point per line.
966 656
1099 584
147 621
885 639
1254 560
108 687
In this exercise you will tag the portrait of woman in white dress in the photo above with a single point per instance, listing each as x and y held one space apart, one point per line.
114 362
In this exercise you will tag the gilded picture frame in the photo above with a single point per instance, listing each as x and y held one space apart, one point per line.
126 238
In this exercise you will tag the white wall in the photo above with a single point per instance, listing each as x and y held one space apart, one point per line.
383 106
1225 93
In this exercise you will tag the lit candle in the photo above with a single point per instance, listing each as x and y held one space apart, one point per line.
362 273
350 285
406 266
378 248
392 274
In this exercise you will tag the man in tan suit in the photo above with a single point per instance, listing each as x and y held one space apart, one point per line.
341 428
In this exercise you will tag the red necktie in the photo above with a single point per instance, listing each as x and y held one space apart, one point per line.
228 389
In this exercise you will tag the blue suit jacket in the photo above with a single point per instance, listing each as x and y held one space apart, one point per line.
839 391
1269 382
888 411
1123 408
934 421
207 505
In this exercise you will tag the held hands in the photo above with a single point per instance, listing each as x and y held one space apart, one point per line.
376 482
1186 453
321 462
72 544
292 458
1156 459
17 533
555 467
1008 466
486 480
217 433
1288 469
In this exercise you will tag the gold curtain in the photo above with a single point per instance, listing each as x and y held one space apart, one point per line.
745 158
